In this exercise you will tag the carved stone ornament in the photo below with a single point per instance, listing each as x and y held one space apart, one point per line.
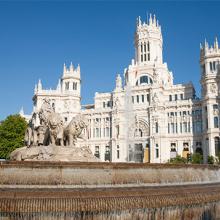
213 88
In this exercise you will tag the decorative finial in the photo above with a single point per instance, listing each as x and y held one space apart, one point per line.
206 44
35 88
138 21
201 47
118 82
154 20
39 85
78 68
21 111
216 43
59 85
150 20
64 68
71 67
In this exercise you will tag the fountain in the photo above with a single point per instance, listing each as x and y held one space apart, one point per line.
95 190
130 121
38 184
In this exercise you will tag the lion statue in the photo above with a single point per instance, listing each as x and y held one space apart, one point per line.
74 130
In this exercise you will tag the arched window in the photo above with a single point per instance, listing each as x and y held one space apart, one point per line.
217 146
144 80
216 122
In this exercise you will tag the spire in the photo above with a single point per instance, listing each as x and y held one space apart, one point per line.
118 85
78 68
150 20
64 68
138 21
35 88
216 43
21 111
154 20
39 85
71 67
206 44
201 47
59 85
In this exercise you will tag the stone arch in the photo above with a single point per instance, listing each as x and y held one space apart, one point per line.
140 129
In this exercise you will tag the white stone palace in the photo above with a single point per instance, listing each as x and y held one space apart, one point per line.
146 118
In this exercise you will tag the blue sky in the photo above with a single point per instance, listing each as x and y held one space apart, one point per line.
36 38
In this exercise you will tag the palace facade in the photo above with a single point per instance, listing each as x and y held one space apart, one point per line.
146 118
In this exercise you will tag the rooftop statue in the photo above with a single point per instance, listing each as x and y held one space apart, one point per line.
47 138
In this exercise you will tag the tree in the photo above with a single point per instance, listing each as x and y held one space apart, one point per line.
12 131
211 160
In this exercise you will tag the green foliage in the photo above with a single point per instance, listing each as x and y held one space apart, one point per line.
217 159
197 158
211 160
12 131
178 160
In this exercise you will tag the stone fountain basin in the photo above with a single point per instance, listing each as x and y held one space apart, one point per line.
97 174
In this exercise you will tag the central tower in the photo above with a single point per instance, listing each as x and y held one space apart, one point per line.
148 41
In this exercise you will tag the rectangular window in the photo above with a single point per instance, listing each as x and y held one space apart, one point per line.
103 104
168 128
210 66
67 85
176 97
118 152
97 152
97 132
189 128
157 153
137 98
107 133
148 97
185 127
172 128
214 65
107 153
156 127
216 122
170 97
181 96
176 128
142 97
181 129
215 107
132 99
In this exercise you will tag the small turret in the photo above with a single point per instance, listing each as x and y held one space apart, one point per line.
210 58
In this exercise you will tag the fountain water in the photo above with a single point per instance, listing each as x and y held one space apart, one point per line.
129 122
